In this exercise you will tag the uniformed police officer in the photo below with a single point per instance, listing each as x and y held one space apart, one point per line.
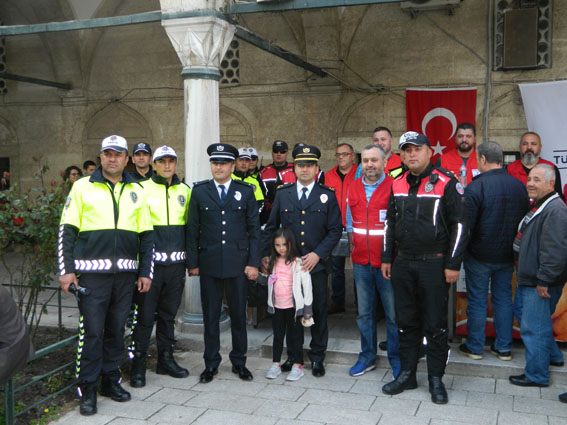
141 157
105 244
426 232
311 211
241 166
168 200
223 247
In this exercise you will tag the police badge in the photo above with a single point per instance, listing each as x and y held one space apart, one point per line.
237 195
134 197
324 198
428 187
181 200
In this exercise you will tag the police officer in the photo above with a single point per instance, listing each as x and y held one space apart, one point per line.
311 211
425 230
241 166
254 171
168 200
223 247
141 157
105 245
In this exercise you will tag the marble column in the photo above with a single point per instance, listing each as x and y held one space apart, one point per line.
200 43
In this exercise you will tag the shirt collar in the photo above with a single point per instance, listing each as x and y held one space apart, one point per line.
309 188
378 183
226 185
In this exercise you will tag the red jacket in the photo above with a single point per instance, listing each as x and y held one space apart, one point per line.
516 169
333 180
452 161
368 220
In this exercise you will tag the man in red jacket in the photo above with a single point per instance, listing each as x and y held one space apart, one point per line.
367 204
462 160
340 178
530 151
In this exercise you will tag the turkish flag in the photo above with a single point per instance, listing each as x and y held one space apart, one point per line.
437 113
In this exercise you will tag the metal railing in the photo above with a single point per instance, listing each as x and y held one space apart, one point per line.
9 390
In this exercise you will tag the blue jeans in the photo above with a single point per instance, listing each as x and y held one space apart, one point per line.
534 314
478 276
369 283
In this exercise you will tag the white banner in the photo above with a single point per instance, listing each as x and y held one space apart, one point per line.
545 105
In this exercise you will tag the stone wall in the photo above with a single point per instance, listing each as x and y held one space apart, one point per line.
126 80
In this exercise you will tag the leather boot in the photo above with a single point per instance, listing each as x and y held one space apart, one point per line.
138 371
88 399
110 387
405 381
167 365
437 390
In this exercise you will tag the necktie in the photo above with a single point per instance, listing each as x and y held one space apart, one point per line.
223 193
303 199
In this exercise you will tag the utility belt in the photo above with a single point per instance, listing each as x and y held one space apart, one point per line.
410 256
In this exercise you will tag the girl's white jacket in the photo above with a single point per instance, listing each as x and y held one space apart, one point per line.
302 290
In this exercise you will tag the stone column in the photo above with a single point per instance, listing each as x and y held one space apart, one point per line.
200 43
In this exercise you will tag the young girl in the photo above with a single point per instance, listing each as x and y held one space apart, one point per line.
289 297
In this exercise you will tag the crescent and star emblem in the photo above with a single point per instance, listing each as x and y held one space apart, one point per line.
439 112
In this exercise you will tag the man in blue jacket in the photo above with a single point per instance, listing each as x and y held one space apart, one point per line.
496 202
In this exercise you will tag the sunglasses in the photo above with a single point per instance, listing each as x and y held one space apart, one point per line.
279 151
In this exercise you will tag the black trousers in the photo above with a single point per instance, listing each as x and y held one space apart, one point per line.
212 290
320 330
421 297
101 328
285 324
163 298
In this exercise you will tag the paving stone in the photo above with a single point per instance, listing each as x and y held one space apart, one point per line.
554 420
543 407
226 401
281 392
444 422
469 383
173 414
133 409
456 397
475 415
144 392
231 386
394 406
281 409
126 421
296 422
503 386
326 382
166 381
216 417
514 418
551 393
338 399
172 396
338 415
398 419
74 418
377 374
491 401
370 387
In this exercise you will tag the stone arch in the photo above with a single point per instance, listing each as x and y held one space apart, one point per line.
235 128
115 118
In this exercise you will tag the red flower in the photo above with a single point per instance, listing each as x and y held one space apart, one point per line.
17 220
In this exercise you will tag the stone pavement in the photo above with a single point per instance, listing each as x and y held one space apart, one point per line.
334 399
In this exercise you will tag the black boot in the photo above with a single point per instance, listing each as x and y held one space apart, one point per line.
138 371
88 399
167 365
405 381
110 387
437 390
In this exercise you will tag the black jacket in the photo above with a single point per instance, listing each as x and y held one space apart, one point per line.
317 229
496 202
223 239
426 215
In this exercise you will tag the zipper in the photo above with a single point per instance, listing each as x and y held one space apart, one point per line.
116 216
167 210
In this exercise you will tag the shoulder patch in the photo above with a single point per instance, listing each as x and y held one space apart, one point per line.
326 187
460 189
195 184
444 171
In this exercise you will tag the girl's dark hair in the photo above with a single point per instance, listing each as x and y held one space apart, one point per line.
68 172
292 251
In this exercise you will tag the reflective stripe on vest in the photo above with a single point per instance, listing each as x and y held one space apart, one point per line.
174 256
93 265
370 232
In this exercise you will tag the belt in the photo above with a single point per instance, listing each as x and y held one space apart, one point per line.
409 256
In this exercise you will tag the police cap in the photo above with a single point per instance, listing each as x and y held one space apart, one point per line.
305 154
222 152
142 147
413 138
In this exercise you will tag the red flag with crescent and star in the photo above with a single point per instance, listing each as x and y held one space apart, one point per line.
437 113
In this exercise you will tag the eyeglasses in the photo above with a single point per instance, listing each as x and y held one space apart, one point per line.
279 151
342 154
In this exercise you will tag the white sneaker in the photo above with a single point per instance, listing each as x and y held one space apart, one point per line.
295 374
274 371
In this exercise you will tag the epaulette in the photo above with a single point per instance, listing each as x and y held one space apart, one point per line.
326 187
250 185
446 172
281 186
195 184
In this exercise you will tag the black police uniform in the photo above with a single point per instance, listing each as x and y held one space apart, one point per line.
317 228
425 233
222 239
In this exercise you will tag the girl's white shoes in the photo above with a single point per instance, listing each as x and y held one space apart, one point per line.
295 374
274 371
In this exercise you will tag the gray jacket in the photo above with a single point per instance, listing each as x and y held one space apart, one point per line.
542 259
